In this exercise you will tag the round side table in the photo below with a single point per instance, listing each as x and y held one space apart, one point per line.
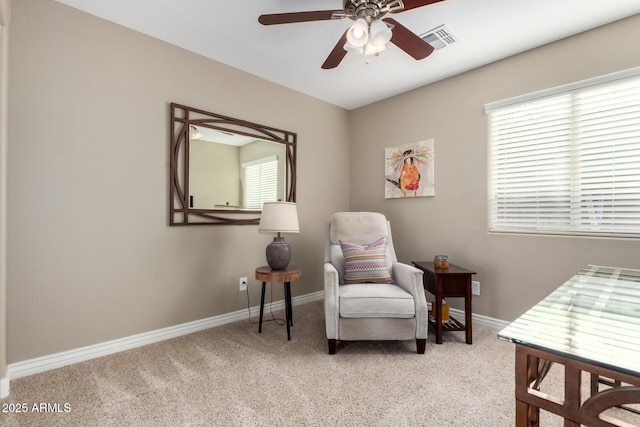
290 274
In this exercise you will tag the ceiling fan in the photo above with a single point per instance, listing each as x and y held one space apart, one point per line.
369 33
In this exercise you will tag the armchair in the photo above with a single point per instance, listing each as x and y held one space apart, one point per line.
368 294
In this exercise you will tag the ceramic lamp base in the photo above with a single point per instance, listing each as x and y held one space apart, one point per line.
278 254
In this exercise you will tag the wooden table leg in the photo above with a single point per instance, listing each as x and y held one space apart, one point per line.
522 414
288 301
261 307
467 313
437 312
287 309
526 371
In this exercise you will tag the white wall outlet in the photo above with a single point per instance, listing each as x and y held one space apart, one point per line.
475 288
243 284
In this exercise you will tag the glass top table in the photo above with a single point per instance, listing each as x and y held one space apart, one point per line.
593 317
591 325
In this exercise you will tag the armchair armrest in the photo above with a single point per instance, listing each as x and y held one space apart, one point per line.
410 279
331 300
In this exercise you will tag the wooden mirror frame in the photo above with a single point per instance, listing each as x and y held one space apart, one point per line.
182 117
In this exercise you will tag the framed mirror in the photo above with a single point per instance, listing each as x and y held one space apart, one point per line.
223 169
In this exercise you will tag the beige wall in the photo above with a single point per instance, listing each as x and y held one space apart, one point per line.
214 174
5 15
91 256
515 271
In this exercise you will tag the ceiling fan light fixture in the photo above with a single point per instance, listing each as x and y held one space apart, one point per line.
372 49
379 33
354 49
358 33
370 31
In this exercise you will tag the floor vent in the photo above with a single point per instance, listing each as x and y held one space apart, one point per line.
439 37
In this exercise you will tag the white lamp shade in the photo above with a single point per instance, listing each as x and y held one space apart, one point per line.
355 49
279 217
358 34
380 34
371 49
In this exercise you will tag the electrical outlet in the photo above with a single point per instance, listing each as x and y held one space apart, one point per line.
475 288
243 284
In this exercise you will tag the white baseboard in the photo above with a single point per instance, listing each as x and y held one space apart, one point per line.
482 320
65 358
4 387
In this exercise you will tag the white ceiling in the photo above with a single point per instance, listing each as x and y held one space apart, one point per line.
291 55
221 137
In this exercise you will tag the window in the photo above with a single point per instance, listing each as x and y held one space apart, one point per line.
567 160
260 182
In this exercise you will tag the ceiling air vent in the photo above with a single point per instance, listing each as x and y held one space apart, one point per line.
439 37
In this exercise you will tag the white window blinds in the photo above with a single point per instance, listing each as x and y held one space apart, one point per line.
260 182
568 162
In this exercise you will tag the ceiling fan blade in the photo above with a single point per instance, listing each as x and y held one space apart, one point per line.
292 17
336 55
408 41
413 4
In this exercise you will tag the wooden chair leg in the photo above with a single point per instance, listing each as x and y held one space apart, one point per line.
332 346
421 344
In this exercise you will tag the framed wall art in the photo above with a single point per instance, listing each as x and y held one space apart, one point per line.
409 170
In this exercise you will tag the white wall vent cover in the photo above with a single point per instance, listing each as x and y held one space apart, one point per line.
439 37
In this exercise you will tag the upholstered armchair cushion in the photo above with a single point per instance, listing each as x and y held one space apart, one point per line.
375 300
365 263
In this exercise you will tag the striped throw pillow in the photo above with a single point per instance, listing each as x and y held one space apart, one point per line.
365 263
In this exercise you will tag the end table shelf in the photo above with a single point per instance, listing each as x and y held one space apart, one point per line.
451 325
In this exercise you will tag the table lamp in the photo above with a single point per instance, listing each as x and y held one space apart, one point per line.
279 217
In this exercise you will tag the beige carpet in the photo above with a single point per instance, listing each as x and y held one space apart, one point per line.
233 376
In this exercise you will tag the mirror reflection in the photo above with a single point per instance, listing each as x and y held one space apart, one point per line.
223 169
229 171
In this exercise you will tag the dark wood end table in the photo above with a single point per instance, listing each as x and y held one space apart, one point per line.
443 283
290 274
